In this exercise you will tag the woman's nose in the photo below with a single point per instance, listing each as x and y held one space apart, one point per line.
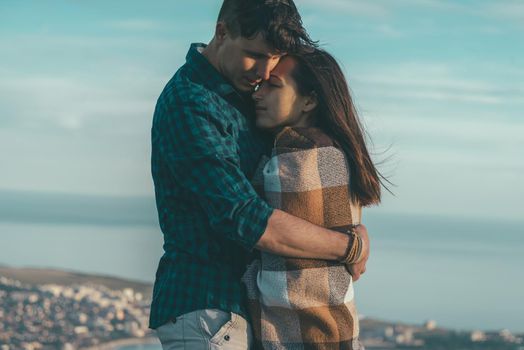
257 95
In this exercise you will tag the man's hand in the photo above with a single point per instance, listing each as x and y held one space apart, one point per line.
359 267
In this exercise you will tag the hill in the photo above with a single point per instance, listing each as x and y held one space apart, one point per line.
36 276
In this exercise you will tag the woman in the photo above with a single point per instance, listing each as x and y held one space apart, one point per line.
319 170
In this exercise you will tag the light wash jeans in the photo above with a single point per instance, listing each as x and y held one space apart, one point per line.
209 329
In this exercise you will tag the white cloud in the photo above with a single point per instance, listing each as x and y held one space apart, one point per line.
453 166
444 96
510 10
438 82
435 4
76 161
83 82
455 136
137 24
348 7
389 31
50 45
377 8
456 189
73 104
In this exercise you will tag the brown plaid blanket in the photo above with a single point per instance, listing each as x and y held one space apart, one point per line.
304 303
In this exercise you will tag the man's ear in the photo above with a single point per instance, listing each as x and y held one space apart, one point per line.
311 102
220 32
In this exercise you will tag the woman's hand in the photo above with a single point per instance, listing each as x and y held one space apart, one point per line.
359 267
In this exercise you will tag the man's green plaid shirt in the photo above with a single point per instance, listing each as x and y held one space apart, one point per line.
204 150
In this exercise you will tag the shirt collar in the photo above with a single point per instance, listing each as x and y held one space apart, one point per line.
208 74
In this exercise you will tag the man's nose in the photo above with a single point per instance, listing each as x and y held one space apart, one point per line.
264 70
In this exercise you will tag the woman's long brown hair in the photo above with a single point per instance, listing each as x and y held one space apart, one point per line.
317 72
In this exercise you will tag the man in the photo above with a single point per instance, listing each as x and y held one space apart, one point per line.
205 149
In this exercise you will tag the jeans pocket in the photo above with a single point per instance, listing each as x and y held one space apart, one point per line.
216 324
173 330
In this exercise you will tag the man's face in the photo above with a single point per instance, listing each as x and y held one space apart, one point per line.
246 62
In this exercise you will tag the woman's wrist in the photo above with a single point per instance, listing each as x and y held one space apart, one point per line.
354 249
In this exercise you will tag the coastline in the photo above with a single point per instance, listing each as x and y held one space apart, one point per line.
119 343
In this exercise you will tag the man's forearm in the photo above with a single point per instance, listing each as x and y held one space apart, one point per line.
287 235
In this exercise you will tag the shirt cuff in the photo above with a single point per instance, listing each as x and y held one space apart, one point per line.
252 223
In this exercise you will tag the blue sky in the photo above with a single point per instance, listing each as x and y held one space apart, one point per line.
439 85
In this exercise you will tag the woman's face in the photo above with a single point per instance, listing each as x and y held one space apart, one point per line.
278 102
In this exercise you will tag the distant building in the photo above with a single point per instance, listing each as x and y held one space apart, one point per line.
509 337
430 325
389 332
478 336
81 330
406 337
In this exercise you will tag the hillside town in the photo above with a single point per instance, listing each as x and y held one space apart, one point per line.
78 316
379 335
68 317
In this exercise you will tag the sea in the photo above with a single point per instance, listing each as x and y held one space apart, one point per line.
462 273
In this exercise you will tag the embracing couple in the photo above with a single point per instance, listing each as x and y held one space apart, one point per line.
260 169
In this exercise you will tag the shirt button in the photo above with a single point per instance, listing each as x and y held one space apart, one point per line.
226 337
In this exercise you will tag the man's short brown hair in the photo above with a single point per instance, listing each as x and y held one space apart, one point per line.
277 20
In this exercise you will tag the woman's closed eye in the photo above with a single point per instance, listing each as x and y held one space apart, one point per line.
274 82
267 84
